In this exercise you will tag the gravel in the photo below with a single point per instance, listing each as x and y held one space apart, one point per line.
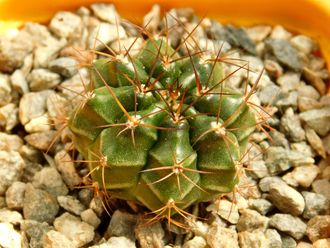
43 202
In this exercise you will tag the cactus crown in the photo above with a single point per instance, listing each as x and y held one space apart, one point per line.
162 127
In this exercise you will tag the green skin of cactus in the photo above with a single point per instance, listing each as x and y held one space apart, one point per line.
185 160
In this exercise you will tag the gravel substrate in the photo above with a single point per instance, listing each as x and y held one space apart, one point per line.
284 194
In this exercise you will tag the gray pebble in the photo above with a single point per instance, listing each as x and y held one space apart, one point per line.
269 94
287 199
250 220
150 235
253 239
64 66
42 79
288 224
65 24
288 241
106 12
85 196
287 100
35 231
39 205
308 91
278 139
290 124
285 53
265 182
318 227
303 43
222 237
50 180
263 206
15 195
317 119
71 204
316 204
274 238
90 217
289 81
78 232
122 224
242 39
257 169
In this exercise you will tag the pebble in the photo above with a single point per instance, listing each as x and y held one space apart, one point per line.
5 90
11 169
317 82
274 238
9 237
10 142
42 79
304 245
257 169
150 235
305 175
105 33
287 100
322 243
291 125
289 81
269 94
50 180
253 239
115 242
308 91
90 217
65 24
317 119
305 104
322 186
280 32
35 231
195 242
19 82
316 204
226 209
315 141
32 105
122 224
273 68
288 241
263 206
71 204
259 32
9 116
15 195
106 12
39 205
285 53
65 166
9 216
242 39
286 199
303 43
250 220
318 227
288 224
53 239
222 237
41 140
80 233
152 18
264 184
65 66
38 124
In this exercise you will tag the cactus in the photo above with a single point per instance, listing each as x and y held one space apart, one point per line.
163 128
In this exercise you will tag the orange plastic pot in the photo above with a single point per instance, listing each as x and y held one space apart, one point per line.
311 17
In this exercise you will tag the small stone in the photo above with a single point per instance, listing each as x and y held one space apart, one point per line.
316 204
50 180
265 183
53 239
257 169
308 91
65 165
303 43
289 81
222 237
273 68
97 205
317 82
2 202
286 199
251 220
289 179
242 39
132 43
35 231
39 205
196 242
322 186
12 217
150 235
269 94
41 140
9 116
318 227
322 243
85 196
278 139
305 104
253 239
290 125
288 241
9 237
288 224
71 204
33 105
10 142
122 224
38 124
42 79
65 24
18 82
258 33
274 238
317 119
285 53
280 32
80 233
64 66
106 12
115 242
304 245
90 217
104 34
15 195
263 206
5 90
152 18
226 209
287 100
305 175
326 143
11 169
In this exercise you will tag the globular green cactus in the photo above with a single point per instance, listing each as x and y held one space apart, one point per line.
162 128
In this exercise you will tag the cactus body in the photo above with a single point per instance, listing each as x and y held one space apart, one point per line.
162 129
